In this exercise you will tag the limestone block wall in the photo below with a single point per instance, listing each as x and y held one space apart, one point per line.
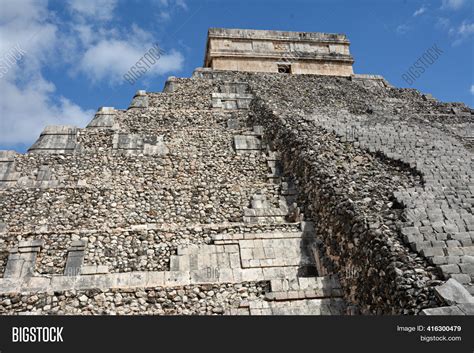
263 51
193 166
376 270
8 174
356 220
271 66
132 209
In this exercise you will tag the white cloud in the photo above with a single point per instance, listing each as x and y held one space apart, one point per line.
111 59
462 33
452 4
84 32
96 9
466 28
420 11
403 29
182 4
164 16
22 10
27 110
167 8
29 101
443 23
458 33
28 27
111 54
88 44
472 89
172 3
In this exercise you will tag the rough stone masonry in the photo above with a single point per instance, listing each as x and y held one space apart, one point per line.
247 193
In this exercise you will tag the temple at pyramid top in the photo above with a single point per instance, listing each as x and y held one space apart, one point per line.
278 51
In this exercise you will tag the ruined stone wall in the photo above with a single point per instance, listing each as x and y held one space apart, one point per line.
376 270
103 195
263 51
271 66
189 300
349 184
263 176
173 193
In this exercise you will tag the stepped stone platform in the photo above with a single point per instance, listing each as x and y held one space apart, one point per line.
246 193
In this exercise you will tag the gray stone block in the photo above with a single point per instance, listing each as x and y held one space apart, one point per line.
451 268
140 99
56 139
8 174
452 292
445 310
467 309
138 144
461 277
247 142
104 119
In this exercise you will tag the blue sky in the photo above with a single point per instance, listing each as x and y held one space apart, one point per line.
61 60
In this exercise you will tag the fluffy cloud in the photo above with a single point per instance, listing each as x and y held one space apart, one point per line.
459 33
112 54
452 4
105 53
87 43
111 59
167 8
27 110
420 11
403 29
466 28
164 16
182 4
173 3
472 89
462 33
443 23
29 101
97 9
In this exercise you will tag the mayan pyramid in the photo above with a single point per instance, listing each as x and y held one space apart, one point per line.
273 181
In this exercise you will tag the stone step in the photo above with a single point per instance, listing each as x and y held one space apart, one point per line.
56 139
304 287
206 249
16 282
194 262
302 283
248 253
265 212
233 238
273 252
252 250
325 306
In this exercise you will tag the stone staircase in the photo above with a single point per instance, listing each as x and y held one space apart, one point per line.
271 252
282 258
271 246
297 296
286 260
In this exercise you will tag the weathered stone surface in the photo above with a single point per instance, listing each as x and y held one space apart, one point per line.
136 144
104 119
22 260
8 173
309 194
445 310
278 51
56 139
140 100
452 292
